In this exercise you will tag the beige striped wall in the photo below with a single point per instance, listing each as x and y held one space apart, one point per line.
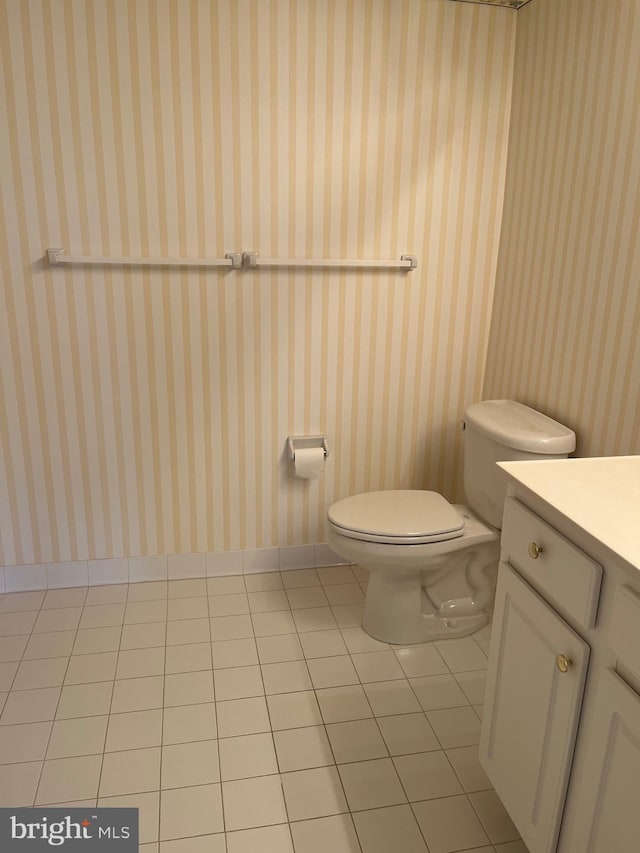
566 323
145 412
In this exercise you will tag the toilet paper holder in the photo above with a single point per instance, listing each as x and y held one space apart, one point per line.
303 442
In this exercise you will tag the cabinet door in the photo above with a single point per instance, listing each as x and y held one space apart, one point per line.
531 709
607 816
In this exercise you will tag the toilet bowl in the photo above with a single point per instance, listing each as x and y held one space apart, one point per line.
433 565
424 584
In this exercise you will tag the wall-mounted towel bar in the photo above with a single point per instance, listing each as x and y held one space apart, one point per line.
235 260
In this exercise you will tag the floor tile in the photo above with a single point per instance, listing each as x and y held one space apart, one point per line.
330 575
145 611
348 615
292 710
377 666
32 674
189 723
314 619
263 582
85 669
493 816
138 694
266 839
466 763
358 740
455 727
426 775
270 624
438 691
12 624
391 697
148 806
186 764
417 661
449 824
115 593
247 756
24 742
134 730
267 601
12 648
232 584
185 812
391 828
139 663
313 793
102 615
22 601
187 631
231 627
80 736
228 605
319 644
287 677
66 779
370 784
303 748
149 591
332 671
344 593
300 578
462 654
18 783
30 706
198 844
131 772
242 717
187 608
303 597
253 803
8 671
239 682
231 653
473 685
357 640
278 649
85 700
50 645
95 640
187 588
188 658
407 733
334 833
143 636
188 688
339 704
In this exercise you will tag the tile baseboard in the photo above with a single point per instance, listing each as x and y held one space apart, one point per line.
113 570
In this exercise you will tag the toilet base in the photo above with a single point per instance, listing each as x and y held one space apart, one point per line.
404 606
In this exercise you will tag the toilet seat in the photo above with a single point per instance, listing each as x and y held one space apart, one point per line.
397 517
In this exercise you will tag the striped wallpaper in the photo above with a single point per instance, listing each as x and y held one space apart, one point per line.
145 412
565 335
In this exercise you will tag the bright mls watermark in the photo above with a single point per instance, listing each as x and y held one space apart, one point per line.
103 830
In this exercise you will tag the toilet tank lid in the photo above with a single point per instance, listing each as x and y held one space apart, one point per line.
520 427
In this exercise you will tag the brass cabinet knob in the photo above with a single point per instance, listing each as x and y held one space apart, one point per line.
563 663
534 550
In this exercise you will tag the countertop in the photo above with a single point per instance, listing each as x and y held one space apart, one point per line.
600 494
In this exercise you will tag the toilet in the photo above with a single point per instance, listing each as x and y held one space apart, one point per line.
433 565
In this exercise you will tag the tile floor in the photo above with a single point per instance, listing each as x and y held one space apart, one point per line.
246 713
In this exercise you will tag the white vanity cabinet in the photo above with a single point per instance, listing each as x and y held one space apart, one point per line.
561 726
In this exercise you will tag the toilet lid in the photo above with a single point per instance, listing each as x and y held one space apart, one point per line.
407 517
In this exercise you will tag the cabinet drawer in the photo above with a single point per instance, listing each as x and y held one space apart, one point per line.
624 638
564 573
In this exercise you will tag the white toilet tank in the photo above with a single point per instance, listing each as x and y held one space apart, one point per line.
501 430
